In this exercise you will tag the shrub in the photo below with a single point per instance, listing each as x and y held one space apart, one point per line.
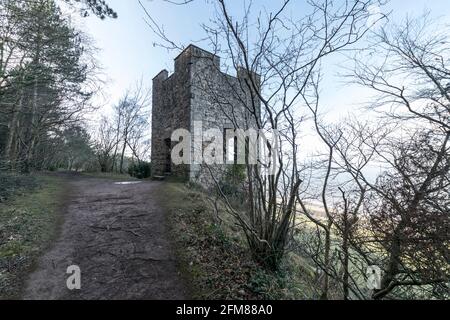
232 183
140 170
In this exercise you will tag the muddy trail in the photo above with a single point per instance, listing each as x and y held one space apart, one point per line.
116 234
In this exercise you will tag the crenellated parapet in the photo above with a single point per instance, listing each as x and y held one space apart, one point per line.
198 92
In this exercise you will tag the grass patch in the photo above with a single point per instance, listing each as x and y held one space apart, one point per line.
28 223
214 258
12 184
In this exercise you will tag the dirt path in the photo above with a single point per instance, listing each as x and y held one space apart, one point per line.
116 234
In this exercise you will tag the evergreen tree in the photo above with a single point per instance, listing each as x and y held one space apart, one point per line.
46 91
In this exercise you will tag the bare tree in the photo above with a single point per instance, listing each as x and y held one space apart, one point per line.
278 64
338 195
105 143
131 115
408 205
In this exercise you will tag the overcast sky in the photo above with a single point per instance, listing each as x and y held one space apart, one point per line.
127 52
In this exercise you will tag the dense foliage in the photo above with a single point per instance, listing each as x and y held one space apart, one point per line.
46 75
140 170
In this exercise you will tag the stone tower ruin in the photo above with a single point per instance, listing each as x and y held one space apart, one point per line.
197 91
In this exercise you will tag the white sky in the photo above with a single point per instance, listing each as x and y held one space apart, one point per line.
127 53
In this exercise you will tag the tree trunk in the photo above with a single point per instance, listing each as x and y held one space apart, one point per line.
33 131
10 151
345 263
392 270
31 140
326 279
123 154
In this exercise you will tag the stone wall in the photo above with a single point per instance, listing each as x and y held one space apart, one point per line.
220 101
170 111
198 91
